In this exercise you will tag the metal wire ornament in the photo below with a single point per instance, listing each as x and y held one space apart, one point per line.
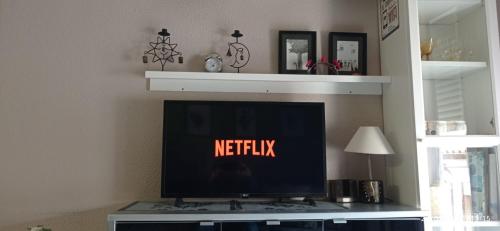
239 51
162 50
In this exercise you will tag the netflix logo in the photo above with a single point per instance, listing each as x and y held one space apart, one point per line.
224 148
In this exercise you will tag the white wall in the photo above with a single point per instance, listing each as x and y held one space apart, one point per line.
79 133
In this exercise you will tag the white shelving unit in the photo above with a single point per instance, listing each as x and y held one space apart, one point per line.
434 172
450 69
265 83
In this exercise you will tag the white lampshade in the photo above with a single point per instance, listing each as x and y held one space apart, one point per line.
369 140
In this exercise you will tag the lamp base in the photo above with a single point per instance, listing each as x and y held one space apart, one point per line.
371 191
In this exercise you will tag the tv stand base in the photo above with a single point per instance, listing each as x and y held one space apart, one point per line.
178 202
310 201
235 205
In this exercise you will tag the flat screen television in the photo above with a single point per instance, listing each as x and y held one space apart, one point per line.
243 149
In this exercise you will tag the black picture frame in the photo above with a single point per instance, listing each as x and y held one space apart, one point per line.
351 66
284 54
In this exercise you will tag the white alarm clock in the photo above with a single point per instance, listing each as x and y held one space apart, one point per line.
213 62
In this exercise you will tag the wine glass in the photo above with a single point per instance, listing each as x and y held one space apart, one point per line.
426 49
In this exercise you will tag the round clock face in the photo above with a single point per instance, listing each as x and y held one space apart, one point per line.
213 63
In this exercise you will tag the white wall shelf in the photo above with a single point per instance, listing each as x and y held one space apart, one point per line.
472 141
265 83
445 11
449 69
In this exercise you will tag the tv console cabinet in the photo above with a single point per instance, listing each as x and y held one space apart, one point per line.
266 216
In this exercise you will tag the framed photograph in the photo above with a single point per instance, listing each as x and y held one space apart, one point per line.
389 17
350 50
295 48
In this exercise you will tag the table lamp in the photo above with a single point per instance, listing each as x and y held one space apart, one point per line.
370 140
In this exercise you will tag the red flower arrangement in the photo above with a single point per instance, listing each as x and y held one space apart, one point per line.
333 67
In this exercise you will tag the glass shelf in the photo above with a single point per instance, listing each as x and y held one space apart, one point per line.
476 141
450 69
466 224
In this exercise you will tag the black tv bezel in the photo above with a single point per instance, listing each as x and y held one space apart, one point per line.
165 194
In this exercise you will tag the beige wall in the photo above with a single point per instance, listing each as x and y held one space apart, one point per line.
79 133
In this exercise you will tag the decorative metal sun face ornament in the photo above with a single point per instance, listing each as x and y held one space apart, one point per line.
239 51
162 50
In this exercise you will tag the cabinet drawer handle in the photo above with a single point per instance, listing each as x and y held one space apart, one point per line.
273 223
339 221
207 223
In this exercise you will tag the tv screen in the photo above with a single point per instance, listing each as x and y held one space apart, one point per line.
243 149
